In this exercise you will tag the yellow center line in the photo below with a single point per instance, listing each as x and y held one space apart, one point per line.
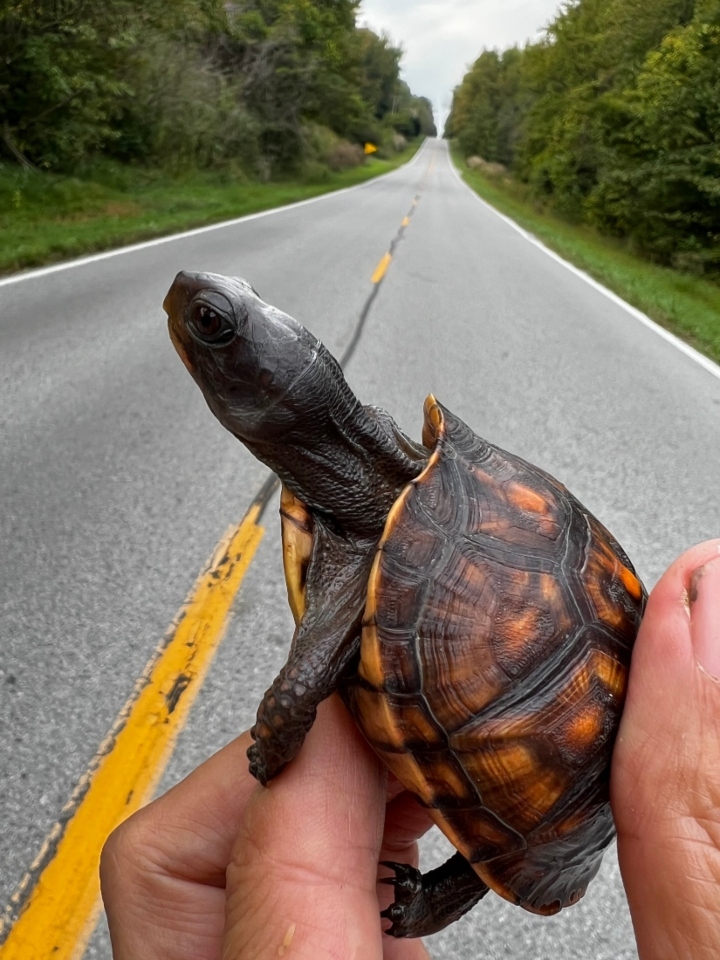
381 268
59 916
406 222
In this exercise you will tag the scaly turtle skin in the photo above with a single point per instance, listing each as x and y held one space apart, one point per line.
477 620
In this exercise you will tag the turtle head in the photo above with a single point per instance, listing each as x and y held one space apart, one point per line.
247 357
273 385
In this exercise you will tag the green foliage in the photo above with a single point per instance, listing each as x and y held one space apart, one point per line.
664 189
296 61
193 83
63 72
380 73
47 216
183 113
392 102
488 105
613 118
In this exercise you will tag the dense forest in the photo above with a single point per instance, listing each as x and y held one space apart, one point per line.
267 85
613 118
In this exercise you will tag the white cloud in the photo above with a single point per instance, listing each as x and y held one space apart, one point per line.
441 39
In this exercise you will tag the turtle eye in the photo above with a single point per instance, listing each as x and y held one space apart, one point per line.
210 326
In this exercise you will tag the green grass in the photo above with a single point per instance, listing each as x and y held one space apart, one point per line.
687 305
45 218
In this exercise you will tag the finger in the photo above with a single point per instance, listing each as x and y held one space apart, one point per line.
671 700
163 870
405 822
304 866
665 784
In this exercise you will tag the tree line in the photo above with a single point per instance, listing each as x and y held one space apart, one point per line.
269 85
612 117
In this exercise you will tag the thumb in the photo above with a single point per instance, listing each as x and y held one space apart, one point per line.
665 783
302 880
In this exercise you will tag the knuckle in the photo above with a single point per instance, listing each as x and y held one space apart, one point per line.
123 853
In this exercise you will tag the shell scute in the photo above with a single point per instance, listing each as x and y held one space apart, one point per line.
530 621
415 543
510 507
421 732
438 505
402 670
607 581
459 676
478 833
515 779
403 604
448 786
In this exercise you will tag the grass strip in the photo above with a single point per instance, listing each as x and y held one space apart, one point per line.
45 218
687 305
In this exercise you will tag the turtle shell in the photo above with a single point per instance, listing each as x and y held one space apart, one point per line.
297 541
495 651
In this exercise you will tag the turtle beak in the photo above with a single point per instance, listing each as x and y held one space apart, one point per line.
178 296
183 289
181 351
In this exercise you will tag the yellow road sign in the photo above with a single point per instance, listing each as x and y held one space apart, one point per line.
370 148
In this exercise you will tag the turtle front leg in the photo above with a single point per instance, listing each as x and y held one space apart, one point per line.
289 707
325 643
428 902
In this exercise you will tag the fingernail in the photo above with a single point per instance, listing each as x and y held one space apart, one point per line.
705 616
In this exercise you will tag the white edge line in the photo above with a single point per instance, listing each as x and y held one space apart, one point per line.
196 231
685 348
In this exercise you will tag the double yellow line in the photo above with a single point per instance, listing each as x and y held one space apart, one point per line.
53 912
57 915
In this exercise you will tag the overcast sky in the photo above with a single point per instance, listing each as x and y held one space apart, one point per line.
441 38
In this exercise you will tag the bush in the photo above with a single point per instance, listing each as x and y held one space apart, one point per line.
183 113
312 171
488 169
345 155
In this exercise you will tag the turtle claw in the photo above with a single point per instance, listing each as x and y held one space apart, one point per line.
257 766
407 878
405 913
266 758
280 729
427 902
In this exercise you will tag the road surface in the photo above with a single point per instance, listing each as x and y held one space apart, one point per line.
116 483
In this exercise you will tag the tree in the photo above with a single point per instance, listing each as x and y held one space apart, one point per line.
664 187
613 118
63 72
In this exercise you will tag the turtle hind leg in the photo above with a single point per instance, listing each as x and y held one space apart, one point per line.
428 902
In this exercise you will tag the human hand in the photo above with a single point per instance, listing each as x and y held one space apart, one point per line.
220 868
665 782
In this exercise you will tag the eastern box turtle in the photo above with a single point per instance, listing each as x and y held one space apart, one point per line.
477 620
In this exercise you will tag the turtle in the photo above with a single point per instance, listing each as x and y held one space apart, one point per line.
476 619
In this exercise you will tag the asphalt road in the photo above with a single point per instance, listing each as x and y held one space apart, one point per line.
116 483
